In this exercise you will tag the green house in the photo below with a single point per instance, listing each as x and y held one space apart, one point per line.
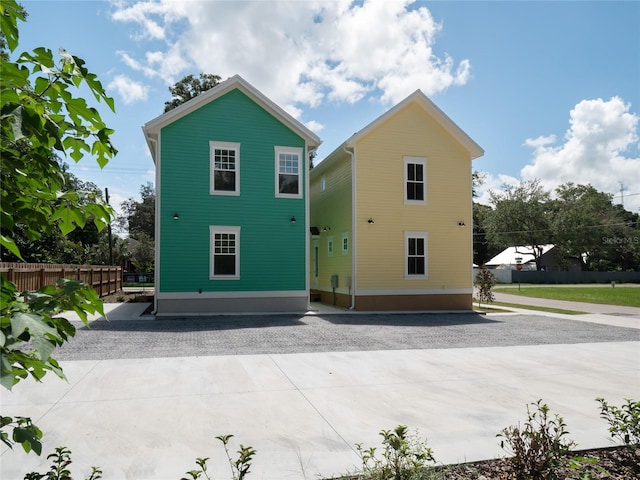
232 208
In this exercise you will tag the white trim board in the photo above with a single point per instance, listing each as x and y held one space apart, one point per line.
214 295
424 291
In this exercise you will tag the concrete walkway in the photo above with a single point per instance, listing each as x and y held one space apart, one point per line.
149 418
561 304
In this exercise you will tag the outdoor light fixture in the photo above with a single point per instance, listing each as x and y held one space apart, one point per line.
461 224
370 221
176 216
326 228
293 220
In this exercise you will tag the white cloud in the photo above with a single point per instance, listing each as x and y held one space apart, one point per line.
128 90
165 65
292 110
153 17
599 148
303 52
494 183
314 126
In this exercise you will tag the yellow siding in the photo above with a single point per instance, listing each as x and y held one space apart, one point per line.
332 208
380 195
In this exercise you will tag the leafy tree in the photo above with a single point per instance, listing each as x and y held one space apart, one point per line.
521 217
621 244
582 217
483 250
477 180
190 87
41 117
143 254
54 246
140 217
99 254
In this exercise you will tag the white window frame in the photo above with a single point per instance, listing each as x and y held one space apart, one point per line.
415 161
330 246
292 151
213 230
424 237
344 245
213 145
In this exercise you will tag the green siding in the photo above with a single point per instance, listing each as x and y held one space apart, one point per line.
272 250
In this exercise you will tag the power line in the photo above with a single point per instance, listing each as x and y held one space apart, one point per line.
627 195
628 224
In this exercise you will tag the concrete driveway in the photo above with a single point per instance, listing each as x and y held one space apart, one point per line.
305 390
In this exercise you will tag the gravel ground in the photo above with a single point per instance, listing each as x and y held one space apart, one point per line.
265 334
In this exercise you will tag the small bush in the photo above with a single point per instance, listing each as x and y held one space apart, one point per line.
403 456
540 446
484 282
239 467
624 421
61 459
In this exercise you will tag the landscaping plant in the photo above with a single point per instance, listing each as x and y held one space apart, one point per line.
239 467
540 446
61 459
624 421
485 280
403 456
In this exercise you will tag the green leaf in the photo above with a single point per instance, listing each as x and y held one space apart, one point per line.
33 323
10 245
8 381
29 438
14 77
65 215
11 13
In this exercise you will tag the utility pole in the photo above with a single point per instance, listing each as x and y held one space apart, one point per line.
621 194
106 194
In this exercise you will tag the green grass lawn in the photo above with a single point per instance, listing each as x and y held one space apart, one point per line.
624 296
134 284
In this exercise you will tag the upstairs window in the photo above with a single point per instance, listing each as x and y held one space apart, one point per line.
415 174
288 172
225 168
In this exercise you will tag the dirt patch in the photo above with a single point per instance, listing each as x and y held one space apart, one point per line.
617 463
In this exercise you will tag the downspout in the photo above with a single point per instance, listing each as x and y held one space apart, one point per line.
307 219
353 225
156 275
472 228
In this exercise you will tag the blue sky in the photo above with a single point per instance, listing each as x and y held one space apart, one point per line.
550 90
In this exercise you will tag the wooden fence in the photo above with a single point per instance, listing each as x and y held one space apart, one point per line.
104 279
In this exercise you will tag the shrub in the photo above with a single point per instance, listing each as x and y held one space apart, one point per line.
239 467
540 446
61 459
403 456
484 282
624 421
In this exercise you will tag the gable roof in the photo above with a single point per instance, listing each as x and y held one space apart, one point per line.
431 109
152 128
508 255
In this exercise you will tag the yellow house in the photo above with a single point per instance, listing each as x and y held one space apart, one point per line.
391 214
